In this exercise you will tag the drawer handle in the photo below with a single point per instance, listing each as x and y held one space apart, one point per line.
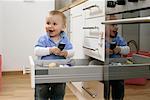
91 7
91 27
89 48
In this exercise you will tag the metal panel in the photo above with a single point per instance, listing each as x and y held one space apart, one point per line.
129 6
90 72
75 73
127 72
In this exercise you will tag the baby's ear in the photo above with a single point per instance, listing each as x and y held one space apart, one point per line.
64 28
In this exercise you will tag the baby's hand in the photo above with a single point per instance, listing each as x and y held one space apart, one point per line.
116 50
109 51
63 53
55 50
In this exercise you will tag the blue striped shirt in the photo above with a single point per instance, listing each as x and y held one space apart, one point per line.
119 42
46 41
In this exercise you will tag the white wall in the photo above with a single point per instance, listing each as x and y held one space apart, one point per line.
0 28
23 22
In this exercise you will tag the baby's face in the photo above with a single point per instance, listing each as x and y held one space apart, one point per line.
113 30
54 25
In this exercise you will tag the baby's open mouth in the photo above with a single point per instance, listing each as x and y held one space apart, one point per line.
115 31
51 31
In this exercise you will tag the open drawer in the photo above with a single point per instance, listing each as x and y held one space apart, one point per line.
65 73
85 72
140 68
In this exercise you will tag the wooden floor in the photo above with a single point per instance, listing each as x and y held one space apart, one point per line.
134 92
17 87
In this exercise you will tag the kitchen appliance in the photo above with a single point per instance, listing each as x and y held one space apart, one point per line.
133 20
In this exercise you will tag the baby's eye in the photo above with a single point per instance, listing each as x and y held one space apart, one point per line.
55 24
114 24
47 23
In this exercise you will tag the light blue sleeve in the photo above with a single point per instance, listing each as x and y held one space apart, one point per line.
120 41
41 42
68 44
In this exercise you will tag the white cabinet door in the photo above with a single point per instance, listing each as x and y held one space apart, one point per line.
94 31
77 33
77 36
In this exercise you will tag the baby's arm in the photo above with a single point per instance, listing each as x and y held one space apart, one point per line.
67 53
124 50
70 53
121 50
42 51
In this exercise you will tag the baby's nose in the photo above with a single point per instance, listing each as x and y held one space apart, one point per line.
116 27
50 25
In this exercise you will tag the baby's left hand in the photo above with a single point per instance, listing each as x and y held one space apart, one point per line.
116 50
63 53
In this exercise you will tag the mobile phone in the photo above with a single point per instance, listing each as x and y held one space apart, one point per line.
113 45
61 46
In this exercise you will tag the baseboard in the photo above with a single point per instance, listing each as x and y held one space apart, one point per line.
12 73
11 68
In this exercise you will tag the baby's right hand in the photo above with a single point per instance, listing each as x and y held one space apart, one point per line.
109 51
55 50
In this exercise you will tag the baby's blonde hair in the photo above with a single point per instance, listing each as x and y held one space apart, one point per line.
56 12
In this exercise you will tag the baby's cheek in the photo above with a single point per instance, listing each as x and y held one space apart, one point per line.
46 29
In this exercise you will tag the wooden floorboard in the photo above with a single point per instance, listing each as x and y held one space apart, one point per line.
17 87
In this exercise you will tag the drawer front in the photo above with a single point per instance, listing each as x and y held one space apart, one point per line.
94 31
94 54
94 47
94 8
93 27
91 43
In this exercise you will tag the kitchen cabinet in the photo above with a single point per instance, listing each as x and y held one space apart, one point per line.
87 31
76 28
77 35
94 31
94 8
94 40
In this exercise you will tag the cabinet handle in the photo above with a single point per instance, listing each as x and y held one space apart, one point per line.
102 35
128 21
91 7
90 93
91 27
89 48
